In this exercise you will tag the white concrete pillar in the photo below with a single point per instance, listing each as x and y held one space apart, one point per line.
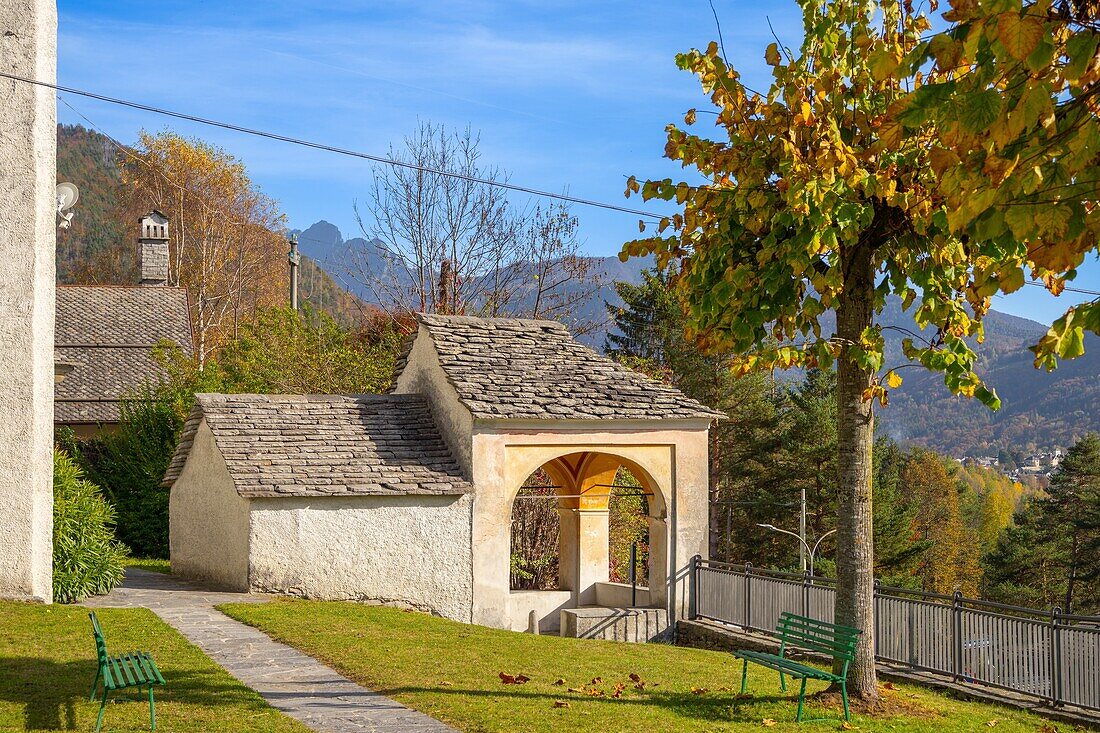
658 562
593 556
28 141
567 548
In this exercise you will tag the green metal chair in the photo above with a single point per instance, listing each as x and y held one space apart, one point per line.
133 669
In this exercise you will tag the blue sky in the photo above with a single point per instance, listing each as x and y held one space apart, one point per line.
567 96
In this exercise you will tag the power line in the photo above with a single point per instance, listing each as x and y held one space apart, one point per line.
1067 289
329 148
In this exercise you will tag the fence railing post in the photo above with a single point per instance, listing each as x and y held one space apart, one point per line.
877 615
748 596
1055 657
693 592
806 593
956 636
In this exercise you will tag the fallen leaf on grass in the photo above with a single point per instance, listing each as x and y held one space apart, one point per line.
635 678
1048 728
445 683
577 689
992 723
561 704
514 679
767 722
596 681
699 690
890 686
619 687
847 726
559 681
743 696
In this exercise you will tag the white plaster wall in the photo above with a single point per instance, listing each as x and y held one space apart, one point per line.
423 375
547 605
674 454
402 550
28 134
208 520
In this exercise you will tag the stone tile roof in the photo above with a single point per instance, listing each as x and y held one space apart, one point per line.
106 334
324 445
527 369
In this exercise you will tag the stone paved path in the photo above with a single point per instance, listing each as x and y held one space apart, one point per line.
289 680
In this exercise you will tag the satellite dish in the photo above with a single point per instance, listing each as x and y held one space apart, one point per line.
67 196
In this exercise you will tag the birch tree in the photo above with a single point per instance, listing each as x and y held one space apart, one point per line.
225 244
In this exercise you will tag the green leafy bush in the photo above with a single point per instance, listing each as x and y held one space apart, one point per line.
87 559
283 351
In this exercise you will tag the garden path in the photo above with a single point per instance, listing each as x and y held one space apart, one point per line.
289 680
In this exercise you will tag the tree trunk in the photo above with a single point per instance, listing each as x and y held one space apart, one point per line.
714 520
855 439
1074 549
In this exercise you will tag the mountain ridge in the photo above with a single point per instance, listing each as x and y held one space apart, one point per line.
1040 410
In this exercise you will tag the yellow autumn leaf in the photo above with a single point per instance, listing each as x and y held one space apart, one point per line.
771 55
1019 34
893 379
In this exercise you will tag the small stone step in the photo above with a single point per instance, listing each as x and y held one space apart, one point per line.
615 624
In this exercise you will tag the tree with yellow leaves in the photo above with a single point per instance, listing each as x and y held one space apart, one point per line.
829 191
226 245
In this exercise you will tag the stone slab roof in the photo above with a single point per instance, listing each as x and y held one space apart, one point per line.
527 369
106 335
324 445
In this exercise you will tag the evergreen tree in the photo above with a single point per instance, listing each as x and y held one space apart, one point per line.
1051 556
649 336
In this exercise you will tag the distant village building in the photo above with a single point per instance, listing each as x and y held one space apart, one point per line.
407 497
105 336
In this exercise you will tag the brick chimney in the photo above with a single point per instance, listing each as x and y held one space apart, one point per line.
153 248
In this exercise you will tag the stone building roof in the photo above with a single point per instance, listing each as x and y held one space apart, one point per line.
527 369
106 334
324 445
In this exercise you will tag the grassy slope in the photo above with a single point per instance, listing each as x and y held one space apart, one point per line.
47 662
449 670
151 564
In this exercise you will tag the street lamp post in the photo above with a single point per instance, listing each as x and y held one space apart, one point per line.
811 551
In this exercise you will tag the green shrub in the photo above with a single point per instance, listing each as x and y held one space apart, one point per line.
87 559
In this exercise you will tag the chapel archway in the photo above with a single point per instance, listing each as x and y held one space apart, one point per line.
604 503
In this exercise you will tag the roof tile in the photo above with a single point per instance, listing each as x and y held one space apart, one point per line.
527 369
319 445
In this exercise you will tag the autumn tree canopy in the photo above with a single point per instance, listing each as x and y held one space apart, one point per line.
226 244
842 184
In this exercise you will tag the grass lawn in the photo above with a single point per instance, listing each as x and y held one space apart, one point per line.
451 671
47 662
156 566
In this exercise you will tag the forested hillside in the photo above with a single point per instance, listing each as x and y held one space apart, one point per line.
1040 410
100 248
89 160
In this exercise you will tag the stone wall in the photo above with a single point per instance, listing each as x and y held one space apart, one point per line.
403 550
208 527
28 221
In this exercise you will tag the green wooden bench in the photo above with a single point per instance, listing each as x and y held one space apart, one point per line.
134 669
838 642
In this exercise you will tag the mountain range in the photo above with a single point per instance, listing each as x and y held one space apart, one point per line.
1039 410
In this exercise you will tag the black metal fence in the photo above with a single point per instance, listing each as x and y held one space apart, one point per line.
1045 654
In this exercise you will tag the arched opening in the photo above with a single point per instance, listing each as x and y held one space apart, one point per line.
574 522
628 530
536 535
536 532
